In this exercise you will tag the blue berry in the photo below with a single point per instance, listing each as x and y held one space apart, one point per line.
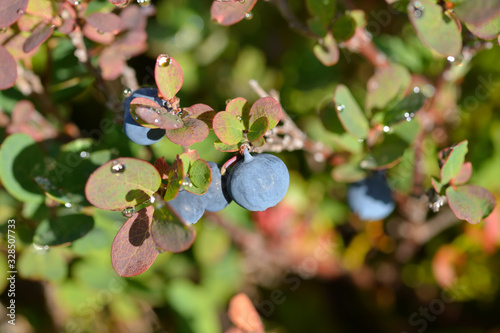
133 130
258 182
190 207
371 197
216 198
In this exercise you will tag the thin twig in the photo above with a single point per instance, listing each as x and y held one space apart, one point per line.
293 22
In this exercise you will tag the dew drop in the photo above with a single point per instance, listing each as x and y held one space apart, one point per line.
117 168
248 16
341 107
84 154
407 114
20 12
451 58
387 129
416 90
241 1
164 61
127 92
128 212
144 3
76 3
238 117
100 32
361 140
408 119
418 9
68 205
124 4
152 199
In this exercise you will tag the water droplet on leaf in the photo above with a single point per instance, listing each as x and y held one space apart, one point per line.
128 212
123 5
68 205
117 168
451 58
144 3
127 92
20 12
100 32
164 61
387 129
341 107
248 16
418 9
416 90
84 154
241 1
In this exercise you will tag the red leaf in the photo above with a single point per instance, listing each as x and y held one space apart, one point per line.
93 34
28 22
37 37
243 314
11 11
8 68
443 265
194 131
168 76
202 112
491 232
162 166
133 18
133 43
230 12
469 202
27 120
133 250
111 63
120 3
105 22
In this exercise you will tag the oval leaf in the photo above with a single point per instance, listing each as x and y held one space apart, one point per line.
221 146
487 30
352 118
175 178
105 22
230 12
469 202
168 231
453 164
266 107
121 183
149 114
193 131
243 314
435 29
37 37
344 28
133 250
238 107
18 154
200 175
464 174
477 12
168 76
386 154
405 109
201 112
227 128
11 11
258 129
8 68
63 229
327 52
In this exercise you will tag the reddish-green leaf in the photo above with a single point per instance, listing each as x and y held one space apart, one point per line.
168 76
11 11
464 175
477 12
105 22
469 202
46 9
438 187
121 183
352 118
487 30
454 162
193 131
238 107
385 85
175 178
8 68
435 29
258 128
37 37
201 112
149 114
188 157
97 36
230 12
327 51
227 128
266 107
243 314
169 232
25 119
221 146
162 166
133 250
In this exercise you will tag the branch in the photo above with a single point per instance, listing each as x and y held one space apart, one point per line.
293 21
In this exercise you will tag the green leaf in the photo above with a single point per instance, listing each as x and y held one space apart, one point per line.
149 114
175 178
121 183
327 51
343 29
238 107
324 9
352 118
266 107
464 174
405 110
168 231
19 154
469 202
133 250
258 129
168 76
477 12
434 28
193 131
227 128
453 164
200 175
386 154
438 187
387 84
63 229
221 146
42 264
